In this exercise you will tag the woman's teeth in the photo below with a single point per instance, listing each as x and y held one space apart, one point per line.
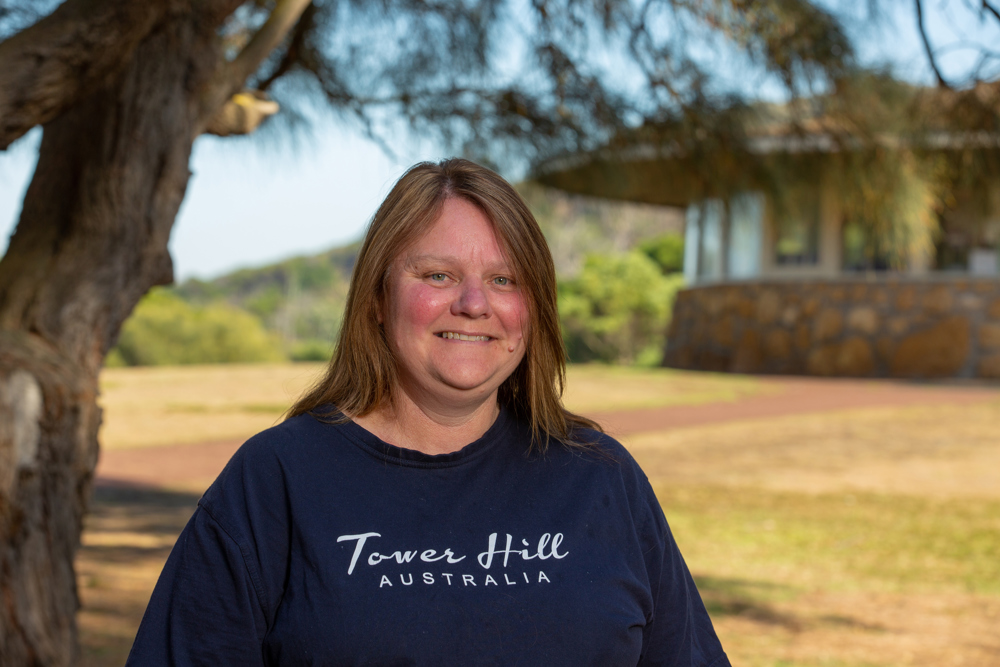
458 336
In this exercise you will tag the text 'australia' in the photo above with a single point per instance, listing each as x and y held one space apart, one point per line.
548 546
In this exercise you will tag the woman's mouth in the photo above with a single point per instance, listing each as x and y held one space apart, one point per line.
451 335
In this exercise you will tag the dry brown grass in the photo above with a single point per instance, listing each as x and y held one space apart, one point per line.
862 538
939 451
598 388
164 405
146 407
865 538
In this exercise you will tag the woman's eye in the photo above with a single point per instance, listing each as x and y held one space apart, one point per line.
438 277
502 281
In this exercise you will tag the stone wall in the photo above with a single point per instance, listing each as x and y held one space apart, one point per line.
889 327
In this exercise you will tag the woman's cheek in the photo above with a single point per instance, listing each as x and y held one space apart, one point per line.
425 303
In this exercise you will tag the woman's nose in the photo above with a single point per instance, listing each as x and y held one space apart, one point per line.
472 300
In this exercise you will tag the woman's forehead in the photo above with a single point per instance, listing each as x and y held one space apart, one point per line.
460 228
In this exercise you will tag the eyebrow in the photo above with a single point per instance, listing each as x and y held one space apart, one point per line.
415 260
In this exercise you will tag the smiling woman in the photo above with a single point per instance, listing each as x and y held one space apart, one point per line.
430 501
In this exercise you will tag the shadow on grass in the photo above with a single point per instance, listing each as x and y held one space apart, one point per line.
128 535
747 599
754 601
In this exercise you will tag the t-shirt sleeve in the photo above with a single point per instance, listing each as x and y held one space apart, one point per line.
679 632
205 609
218 592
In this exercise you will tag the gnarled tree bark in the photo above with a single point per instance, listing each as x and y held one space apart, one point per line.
92 239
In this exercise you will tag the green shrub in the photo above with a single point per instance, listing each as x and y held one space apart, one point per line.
312 350
667 251
165 330
617 309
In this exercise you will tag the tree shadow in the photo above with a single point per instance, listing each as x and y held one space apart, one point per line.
747 599
754 601
128 534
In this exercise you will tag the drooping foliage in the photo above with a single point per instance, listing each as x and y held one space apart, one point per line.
510 83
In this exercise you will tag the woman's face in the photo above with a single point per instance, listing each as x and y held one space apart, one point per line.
454 316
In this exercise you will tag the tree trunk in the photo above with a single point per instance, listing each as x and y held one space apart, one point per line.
91 240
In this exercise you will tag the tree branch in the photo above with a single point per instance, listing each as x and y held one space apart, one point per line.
306 23
46 68
991 9
233 75
927 45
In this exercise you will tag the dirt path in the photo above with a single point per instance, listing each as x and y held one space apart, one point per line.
193 467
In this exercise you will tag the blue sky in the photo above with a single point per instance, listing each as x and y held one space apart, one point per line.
248 205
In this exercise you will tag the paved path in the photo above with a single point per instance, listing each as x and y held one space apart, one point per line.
193 467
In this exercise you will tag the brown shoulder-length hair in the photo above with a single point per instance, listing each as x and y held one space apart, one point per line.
361 375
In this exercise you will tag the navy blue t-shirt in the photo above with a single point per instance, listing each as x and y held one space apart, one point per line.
320 544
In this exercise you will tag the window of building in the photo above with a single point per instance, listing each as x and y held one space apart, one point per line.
797 229
862 250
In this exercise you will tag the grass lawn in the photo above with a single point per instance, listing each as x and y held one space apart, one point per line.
865 538
862 538
146 407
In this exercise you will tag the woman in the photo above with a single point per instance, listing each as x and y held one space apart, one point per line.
430 501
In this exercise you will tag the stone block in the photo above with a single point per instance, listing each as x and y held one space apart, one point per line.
700 330
854 358
836 293
822 361
989 335
879 297
747 356
745 307
968 301
939 351
884 347
715 301
777 344
989 367
938 300
898 325
803 337
789 315
678 356
994 310
984 286
863 319
828 325
711 360
730 296
859 292
810 306
768 306
722 331
906 297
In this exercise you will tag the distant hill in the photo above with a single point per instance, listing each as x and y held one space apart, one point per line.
301 299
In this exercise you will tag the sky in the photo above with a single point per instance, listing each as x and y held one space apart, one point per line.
250 204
